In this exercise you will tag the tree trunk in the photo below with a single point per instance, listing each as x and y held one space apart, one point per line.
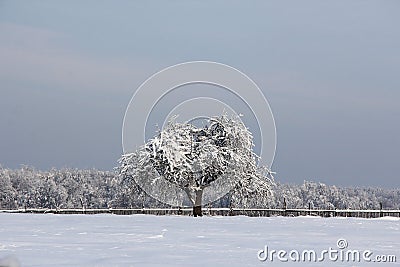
197 204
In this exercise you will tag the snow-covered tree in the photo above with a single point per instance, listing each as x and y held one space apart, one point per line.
7 192
219 154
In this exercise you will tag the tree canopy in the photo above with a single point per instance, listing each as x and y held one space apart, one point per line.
213 159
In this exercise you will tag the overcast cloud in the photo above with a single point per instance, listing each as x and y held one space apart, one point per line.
329 70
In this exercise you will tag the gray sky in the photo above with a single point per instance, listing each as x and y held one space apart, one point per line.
328 68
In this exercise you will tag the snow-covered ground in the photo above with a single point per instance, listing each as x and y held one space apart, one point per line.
144 240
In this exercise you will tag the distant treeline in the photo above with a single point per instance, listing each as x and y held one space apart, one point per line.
72 188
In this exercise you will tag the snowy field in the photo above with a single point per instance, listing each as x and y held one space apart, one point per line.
145 240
